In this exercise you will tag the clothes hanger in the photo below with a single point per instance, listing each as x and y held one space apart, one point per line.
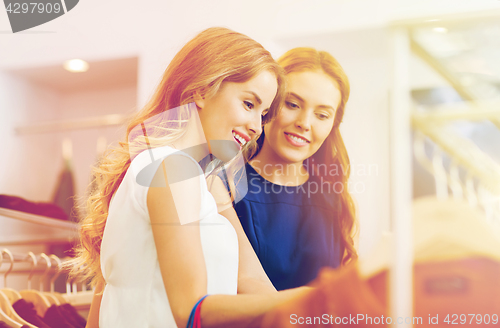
12 294
5 316
470 190
456 186
57 295
52 299
440 174
419 151
446 228
443 230
6 310
33 296
75 298
487 201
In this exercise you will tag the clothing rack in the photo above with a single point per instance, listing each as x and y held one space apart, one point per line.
51 307
75 124
47 266
402 119
48 230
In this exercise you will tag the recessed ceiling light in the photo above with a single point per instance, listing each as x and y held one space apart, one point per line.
440 29
76 65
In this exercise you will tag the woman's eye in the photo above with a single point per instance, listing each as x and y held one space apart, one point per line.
248 104
323 116
291 105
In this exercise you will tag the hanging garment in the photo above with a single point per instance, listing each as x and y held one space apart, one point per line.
72 315
4 325
39 208
55 319
7 313
64 195
27 311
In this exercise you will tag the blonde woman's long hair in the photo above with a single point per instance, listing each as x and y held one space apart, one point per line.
214 56
333 150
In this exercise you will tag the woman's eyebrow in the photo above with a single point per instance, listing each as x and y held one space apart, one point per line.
296 96
327 107
302 100
255 95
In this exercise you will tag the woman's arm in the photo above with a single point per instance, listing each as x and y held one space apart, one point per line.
245 311
252 279
93 318
181 258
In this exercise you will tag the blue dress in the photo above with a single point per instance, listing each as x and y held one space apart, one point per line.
293 230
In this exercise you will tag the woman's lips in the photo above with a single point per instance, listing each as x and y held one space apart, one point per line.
240 139
296 140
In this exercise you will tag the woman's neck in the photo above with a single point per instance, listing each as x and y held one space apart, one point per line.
273 168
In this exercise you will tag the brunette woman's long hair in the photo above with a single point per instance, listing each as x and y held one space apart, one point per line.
214 56
332 152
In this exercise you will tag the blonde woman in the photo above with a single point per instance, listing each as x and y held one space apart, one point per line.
152 241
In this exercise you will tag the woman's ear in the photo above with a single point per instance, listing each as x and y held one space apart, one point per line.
199 100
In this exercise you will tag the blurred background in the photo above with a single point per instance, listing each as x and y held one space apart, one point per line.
417 69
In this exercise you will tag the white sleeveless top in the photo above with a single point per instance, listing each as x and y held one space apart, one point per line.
134 295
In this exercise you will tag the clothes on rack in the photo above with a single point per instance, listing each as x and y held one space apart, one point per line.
456 270
343 297
72 315
39 208
64 195
57 316
4 325
37 309
27 311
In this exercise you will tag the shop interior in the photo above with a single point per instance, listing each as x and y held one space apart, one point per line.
421 127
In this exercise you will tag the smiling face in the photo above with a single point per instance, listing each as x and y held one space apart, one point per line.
306 119
234 112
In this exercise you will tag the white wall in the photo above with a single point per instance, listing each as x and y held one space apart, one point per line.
22 157
90 103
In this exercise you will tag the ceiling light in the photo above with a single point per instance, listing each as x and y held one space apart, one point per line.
440 29
76 65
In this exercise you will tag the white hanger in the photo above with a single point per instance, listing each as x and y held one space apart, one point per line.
456 185
12 295
419 150
440 174
7 312
470 190
38 299
59 296
52 299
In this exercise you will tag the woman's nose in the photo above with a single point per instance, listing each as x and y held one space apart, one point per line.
255 126
304 120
